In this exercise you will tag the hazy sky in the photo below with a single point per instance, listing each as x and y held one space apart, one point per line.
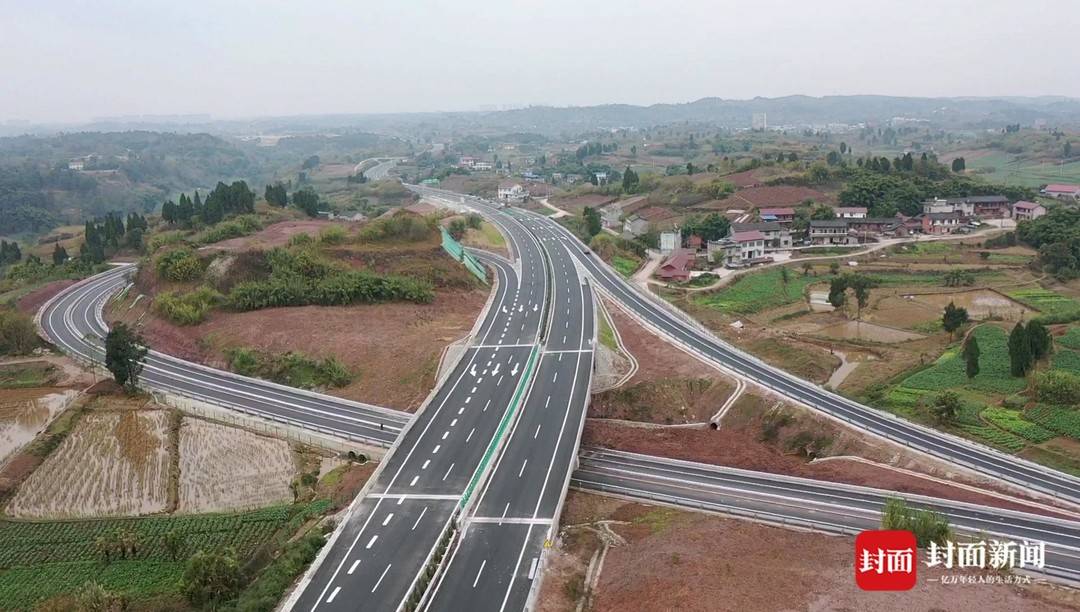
73 60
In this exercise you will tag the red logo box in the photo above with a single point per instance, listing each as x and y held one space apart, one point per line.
885 560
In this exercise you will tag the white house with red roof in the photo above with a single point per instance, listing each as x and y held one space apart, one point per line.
1026 211
1062 191
739 249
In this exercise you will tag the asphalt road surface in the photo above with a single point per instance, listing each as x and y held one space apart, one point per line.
376 556
73 322
828 506
495 564
944 446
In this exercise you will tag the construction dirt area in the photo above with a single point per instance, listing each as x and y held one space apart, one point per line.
649 558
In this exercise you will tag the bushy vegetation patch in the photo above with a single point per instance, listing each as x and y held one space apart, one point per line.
187 308
758 291
994 372
294 369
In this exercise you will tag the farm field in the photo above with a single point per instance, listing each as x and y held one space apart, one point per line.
43 559
758 291
114 463
1046 301
1012 170
948 371
225 468
26 413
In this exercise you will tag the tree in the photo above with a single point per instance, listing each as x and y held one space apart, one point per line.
593 225
861 286
970 353
125 351
954 317
1067 149
630 180
690 168
946 406
275 195
712 226
457 229
1019 351
17 333
834 268
211 578
785 277
59 255
307 201
806 268
959 165
837 292
1039 340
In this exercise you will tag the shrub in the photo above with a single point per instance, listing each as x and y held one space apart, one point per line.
17 333
300 239
179 265
233 228
332 234
928 526
1057 387
187 308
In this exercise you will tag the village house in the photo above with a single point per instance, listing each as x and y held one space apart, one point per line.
780 215
670 241
1062 191
830 232
512 192
776 236
991 206
851 212
941 223
677 267
644 220
1026 211
877 226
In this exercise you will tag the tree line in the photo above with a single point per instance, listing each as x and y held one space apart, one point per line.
223 201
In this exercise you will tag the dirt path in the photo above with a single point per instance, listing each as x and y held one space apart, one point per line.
841 373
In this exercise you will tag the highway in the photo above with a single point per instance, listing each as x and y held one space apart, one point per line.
700 342
73 322
378 554
494 565
379 170
825 506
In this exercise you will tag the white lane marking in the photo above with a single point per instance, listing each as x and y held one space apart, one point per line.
499 382
436 449
505 510
473 390
414 479
461 410
522 470
486 406
537 432
400 499
448 471
352 568
453 423
474 582
468 399
387 519
422 513
445 434
468 437
381 577
334 594
556 377
547 401
371 541
426 463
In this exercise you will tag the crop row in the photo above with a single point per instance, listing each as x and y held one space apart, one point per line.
994 376
1044 300
30 543
995 436
1013 422
1067 360
1065 421
1071 339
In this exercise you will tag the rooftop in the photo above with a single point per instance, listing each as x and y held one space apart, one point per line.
763 226
747 236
